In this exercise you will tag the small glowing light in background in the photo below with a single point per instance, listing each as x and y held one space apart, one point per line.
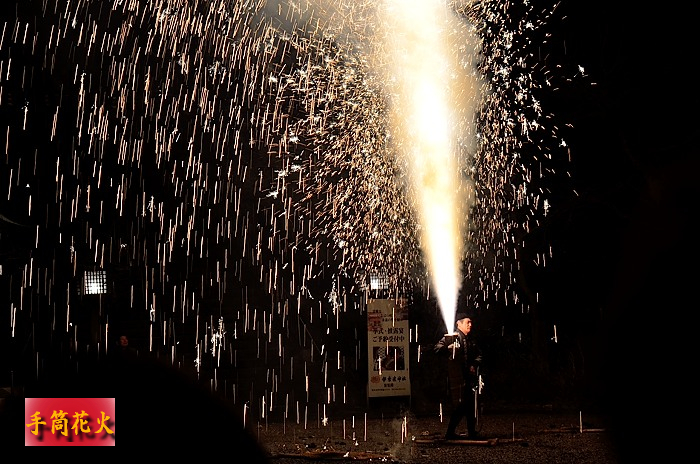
378 281
95 282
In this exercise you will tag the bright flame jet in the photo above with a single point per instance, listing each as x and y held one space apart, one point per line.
432 100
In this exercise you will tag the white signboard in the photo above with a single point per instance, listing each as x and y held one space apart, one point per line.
387 345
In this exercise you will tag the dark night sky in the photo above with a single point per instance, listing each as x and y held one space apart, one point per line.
636 166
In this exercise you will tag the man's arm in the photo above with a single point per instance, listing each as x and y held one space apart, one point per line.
476 363
444 344
440 345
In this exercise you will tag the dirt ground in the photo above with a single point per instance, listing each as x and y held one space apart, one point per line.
530 437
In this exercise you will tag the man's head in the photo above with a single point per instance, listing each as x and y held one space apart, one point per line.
464 322
123 340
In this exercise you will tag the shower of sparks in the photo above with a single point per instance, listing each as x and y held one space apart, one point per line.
252 162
